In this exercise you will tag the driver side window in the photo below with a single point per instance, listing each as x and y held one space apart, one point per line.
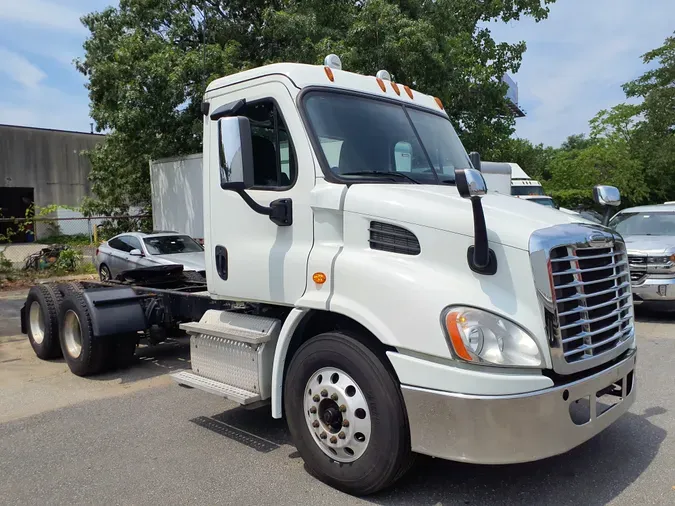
274 164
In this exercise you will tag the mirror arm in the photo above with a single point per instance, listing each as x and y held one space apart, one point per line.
481 258
280 211
606 215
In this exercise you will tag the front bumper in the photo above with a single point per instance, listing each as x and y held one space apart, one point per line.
653 290
515 428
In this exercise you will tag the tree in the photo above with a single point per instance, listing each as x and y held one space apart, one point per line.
533 159
148 61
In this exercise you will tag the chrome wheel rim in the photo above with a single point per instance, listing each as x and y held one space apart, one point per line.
72 334
337 414
37 322
105 274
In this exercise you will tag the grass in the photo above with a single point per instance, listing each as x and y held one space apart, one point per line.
70 240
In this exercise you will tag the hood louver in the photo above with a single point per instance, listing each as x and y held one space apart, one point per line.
392 238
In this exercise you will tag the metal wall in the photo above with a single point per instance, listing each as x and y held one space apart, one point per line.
50 161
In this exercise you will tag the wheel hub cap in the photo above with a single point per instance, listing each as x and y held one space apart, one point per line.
37 323
72 334
337 414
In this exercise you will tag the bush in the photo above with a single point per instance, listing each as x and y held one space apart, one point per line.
5 264
68 260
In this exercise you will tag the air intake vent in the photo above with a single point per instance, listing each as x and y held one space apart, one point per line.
386 237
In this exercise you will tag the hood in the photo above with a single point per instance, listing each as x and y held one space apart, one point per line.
190 261
650 245
510 221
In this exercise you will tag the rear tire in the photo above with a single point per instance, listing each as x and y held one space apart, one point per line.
42 321
387 455
84 353
104 273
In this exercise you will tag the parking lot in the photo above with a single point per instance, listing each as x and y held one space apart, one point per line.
134 437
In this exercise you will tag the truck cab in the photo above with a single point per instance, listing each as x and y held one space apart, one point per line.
363 282
351 197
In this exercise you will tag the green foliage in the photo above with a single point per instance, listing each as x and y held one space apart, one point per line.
534 159
147 66
68 260
71 240
5 264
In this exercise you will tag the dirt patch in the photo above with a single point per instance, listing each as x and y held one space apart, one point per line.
27 282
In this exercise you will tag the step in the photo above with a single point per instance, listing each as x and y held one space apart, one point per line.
190 379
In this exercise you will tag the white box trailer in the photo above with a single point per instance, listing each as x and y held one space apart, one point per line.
177 195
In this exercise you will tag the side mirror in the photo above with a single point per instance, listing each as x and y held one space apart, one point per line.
136 253
474 156
608 197
235 159
235 153
471 185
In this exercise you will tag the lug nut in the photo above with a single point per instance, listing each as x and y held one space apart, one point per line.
345 423
315 424
323 435
324 393
334 397
343 408
312 409
315 398
341 435
333 440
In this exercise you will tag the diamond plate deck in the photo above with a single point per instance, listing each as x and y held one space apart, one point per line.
190 379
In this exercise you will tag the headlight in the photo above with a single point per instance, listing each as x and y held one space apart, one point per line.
480 337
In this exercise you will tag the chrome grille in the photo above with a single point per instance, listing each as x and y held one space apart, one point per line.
591 299
638 268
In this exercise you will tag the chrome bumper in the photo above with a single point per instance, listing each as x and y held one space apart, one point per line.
515 428
649 291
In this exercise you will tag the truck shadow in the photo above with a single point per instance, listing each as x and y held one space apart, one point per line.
644 315
592 474
150 361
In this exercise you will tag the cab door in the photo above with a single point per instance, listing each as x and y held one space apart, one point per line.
248 256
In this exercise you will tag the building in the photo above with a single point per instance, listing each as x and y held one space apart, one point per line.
42 167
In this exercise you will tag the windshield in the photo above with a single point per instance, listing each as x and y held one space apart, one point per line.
365 138
171 244
544 202
527 190
644 223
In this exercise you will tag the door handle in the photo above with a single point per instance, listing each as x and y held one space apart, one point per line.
221 262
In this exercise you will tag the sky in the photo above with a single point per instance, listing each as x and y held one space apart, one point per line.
574 66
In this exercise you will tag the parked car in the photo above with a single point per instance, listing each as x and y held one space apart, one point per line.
649 232
137 250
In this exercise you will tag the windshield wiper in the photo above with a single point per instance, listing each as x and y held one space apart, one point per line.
380 173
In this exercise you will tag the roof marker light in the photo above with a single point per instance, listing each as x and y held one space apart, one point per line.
329 73
396 88
384 75
381 83
333 61
408 91
438 101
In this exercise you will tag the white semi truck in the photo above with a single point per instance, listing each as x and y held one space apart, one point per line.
365 287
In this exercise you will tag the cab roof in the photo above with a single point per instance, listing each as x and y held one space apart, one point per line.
303 76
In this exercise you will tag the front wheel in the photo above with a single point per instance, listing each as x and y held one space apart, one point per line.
346 414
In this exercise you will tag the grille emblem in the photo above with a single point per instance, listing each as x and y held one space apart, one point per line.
600 240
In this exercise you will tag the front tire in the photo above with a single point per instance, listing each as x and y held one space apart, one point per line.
348 382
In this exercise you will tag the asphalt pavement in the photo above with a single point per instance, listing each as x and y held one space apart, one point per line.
135 438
